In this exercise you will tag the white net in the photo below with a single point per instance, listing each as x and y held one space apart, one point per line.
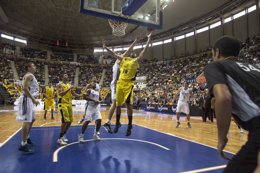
118 28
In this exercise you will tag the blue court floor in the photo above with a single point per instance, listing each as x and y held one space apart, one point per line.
145 151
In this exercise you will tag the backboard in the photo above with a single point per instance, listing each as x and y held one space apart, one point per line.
145 13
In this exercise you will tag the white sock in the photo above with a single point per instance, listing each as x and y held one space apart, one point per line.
24 143
108 121
28 136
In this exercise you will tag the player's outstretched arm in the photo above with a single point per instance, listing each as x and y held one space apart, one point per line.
113 54
75 94
146 47
130 49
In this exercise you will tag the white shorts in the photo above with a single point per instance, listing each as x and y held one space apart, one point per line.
26 109
92 113
183 107
113 92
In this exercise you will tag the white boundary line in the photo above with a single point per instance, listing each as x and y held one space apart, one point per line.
9 138
7 111
183 138
55 154
206 169
44 124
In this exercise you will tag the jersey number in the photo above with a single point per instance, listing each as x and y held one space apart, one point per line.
125 71
247 68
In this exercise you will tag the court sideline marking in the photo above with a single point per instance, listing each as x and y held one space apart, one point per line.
2 144
198 170
206 169
55 154
3 111
183 138
48 123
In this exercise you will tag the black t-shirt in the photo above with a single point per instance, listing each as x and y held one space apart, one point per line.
243 81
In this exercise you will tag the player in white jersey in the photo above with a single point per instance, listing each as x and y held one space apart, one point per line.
114 80
26 109
183 104
92 111
97 88
115 76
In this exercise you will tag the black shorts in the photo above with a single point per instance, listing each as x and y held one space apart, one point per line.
245 161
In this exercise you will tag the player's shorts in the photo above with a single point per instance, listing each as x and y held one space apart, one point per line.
26 109
113 92
124 92
49 104
92 112
66 113
183 107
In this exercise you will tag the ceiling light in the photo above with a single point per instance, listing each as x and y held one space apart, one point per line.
7 37
20 40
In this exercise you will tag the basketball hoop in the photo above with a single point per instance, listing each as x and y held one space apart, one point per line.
118 28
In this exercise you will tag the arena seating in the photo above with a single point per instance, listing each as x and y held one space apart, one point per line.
163 77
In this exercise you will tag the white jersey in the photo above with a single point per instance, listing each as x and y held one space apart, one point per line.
92 110
33 87
115 71
97 87
94 95
184 95
26 109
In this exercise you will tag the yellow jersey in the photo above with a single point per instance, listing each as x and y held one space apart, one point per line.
49 92
67 98
128 69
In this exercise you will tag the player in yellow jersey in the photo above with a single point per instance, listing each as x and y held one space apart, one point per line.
115 75
65 92
49 93
125 84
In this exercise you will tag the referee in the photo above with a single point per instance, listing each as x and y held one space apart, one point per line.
236 89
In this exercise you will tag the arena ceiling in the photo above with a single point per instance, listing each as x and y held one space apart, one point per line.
46 21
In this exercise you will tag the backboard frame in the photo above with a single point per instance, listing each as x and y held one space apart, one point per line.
115 15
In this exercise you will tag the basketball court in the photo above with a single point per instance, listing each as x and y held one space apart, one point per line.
147 150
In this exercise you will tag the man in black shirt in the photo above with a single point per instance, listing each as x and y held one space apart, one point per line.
236 89
207 112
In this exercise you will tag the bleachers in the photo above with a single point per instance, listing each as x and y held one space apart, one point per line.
5 69
163 77
21 69
87 72
33 53
56 71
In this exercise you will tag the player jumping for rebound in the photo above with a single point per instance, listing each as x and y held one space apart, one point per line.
125 84
115 70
